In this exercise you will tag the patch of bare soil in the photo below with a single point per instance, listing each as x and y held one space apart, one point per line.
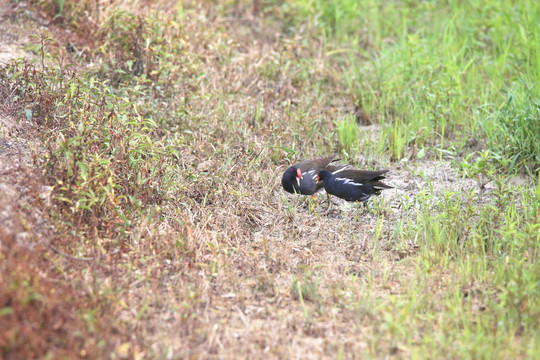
12 37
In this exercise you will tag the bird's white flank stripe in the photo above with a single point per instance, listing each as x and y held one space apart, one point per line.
349 182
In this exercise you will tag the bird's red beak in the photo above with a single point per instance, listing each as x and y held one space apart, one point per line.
318 179
299 176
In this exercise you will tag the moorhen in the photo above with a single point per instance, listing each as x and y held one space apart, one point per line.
303 177
353 185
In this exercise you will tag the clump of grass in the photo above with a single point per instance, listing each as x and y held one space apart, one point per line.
503 230
349 136
124 47
306 289
103 158
513 132
396 140
421 65
341 18
81 16
484 242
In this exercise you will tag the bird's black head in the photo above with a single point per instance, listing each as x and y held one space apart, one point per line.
324 175
291 178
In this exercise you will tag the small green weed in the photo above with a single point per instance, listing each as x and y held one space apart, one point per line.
481 169
306 289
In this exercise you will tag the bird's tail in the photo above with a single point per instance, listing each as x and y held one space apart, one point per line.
377 185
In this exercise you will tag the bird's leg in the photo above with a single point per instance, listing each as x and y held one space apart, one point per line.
294 204
311 205
357 210
364 206
328 201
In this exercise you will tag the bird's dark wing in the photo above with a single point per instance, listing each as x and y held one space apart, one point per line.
315 164
362 176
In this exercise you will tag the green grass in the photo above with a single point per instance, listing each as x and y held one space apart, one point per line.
492 248
443 71
512 133
349 135
165 146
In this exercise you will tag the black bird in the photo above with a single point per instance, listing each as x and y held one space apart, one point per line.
353 185
303 177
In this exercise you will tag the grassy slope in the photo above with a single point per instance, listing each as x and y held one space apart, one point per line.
167 147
